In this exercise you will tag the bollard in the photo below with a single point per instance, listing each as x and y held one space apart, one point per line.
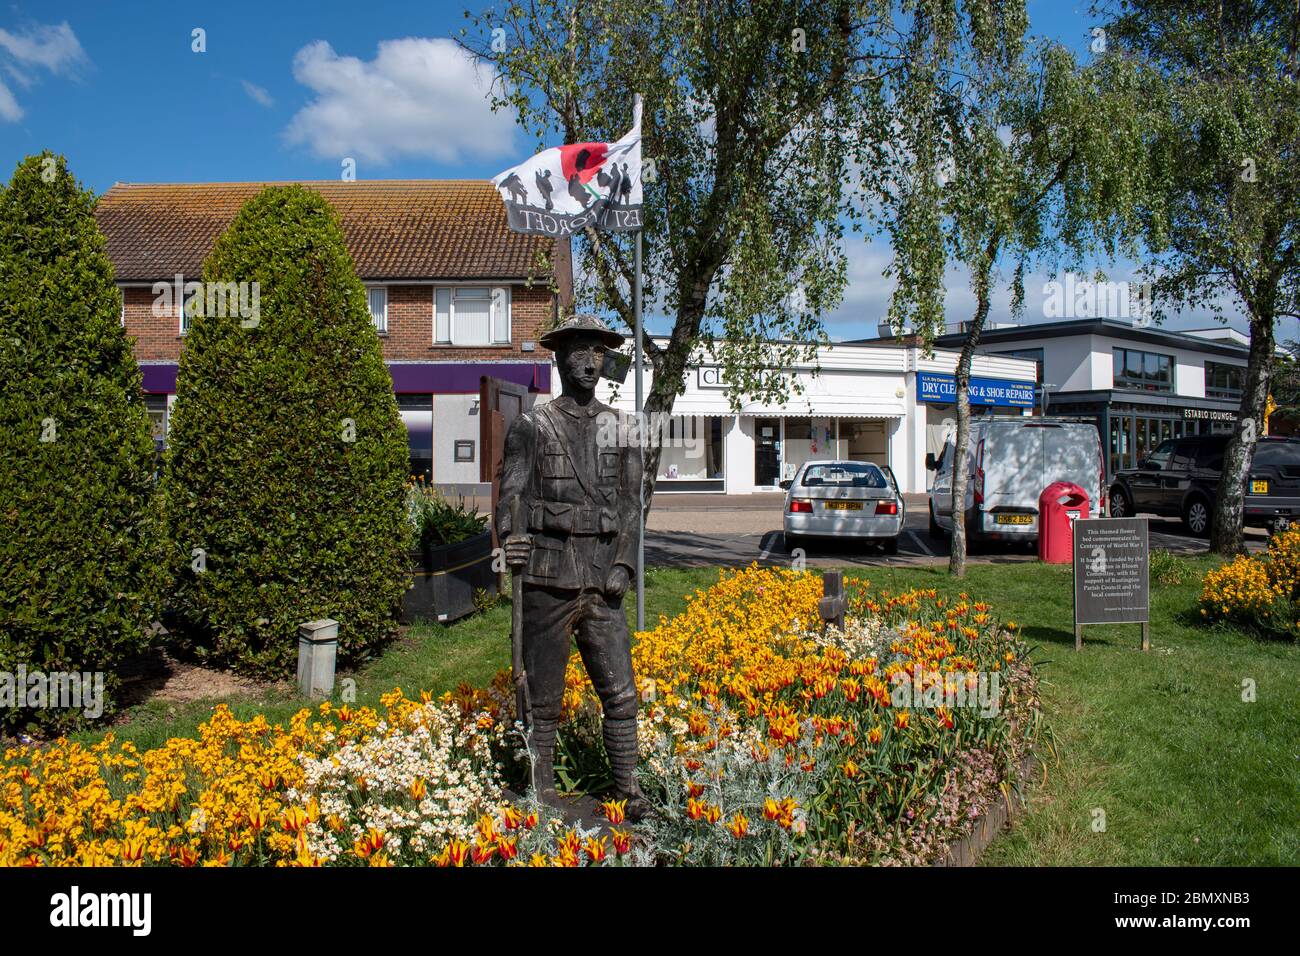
318 644
831 608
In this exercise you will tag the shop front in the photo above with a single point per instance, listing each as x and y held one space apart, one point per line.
858 402
1133 425
936 393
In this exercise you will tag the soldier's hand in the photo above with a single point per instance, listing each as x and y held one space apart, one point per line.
517 547
617 582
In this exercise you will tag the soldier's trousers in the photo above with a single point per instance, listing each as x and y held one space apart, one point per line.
551 615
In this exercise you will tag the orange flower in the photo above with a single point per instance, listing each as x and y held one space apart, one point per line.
875 734
901 719
293 819
482 852
738 825
508 847
418 788
850 769
622 841
694 789
511 817
615 810
456 853
595 848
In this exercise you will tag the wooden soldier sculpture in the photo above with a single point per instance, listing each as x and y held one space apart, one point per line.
578 487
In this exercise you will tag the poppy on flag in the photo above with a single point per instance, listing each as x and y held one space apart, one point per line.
565 189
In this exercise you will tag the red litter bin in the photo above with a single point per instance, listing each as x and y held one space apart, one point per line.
1059 504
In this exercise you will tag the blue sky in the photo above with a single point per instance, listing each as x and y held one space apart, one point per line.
288 91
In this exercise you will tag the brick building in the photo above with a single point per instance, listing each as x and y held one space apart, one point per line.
454 295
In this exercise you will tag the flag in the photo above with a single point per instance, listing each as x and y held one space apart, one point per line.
565 189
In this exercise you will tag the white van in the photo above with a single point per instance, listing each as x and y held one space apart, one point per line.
1009 463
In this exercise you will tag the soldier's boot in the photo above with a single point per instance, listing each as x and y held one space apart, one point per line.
542 745
620 744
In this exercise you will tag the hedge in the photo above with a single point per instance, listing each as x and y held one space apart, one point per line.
287 458
79 545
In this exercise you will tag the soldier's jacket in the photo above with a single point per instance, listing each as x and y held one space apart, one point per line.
579 491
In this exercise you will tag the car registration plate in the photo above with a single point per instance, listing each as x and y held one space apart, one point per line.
1259 486
1013 519
844 506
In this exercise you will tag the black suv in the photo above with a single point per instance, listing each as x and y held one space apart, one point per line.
1181 478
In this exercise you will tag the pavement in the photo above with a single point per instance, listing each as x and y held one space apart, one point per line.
688 530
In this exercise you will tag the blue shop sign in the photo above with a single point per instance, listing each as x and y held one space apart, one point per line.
941 387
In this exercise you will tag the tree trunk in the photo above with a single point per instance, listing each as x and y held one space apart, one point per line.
957 556
1226 537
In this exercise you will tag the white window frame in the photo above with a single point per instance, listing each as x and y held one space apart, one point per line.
121 297
498 297
381 325
186 298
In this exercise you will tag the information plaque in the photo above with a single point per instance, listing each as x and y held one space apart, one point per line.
1112 561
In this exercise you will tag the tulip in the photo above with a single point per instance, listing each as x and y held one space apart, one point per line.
622 841
615 810
738 825
595 848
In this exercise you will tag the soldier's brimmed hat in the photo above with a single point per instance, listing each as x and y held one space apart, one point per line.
581 324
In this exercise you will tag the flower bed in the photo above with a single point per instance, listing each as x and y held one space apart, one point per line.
762 743
1259 591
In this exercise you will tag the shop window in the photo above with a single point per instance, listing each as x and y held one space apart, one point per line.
417 416
691 449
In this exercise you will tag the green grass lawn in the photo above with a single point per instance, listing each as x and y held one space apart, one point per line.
1162 743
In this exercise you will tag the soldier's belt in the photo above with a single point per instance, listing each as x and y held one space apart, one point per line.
572 519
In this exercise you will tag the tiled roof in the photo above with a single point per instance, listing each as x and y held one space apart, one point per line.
395 229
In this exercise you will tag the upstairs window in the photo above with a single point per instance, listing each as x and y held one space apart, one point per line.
471 315
1147 371
377 301
1224 381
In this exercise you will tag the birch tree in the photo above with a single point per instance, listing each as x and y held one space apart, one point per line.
1222 84
1024 159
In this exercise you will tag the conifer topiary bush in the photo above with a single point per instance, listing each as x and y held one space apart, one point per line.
78 530
285 471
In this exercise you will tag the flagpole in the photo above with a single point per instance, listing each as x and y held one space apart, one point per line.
640 397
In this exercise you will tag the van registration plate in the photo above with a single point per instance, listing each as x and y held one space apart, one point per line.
1013 519
1259 486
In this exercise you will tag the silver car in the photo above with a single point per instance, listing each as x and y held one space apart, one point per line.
844 499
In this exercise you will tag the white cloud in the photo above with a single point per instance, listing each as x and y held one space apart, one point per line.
24 53
53 48
418 97
258 94
10 111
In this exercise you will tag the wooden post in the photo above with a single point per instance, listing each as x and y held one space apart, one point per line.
1078 637
1146 635
318 643
831 608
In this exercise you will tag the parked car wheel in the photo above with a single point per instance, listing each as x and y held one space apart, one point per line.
1197 515
936 532
1120 506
